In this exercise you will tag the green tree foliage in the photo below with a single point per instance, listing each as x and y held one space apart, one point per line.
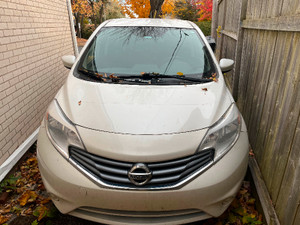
184 9
205 26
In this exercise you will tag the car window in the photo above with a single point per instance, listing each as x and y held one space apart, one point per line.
136 50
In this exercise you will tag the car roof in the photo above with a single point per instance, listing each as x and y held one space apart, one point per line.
149 22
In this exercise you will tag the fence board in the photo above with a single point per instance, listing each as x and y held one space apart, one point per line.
289 121
236 16
289 196
277 71
264 8
248 55
290 7
254 70
228 19
261 83
257 8
243 80
228 51
266 79
221 18
238 49
297 217
230 34
283 23
284 126
249 10
274 8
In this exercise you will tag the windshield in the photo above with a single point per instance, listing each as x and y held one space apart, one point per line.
136 50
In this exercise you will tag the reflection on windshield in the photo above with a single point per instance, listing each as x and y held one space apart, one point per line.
133 50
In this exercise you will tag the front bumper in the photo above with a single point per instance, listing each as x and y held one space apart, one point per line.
206 196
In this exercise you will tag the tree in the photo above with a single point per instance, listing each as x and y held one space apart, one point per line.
113 10
148 8
81 9
155 10
186 10
205 9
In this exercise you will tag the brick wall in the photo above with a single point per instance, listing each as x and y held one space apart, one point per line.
34 34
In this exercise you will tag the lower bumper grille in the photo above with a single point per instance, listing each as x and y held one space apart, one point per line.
164 174
130 217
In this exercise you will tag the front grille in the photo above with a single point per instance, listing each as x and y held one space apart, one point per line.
164 174
134 217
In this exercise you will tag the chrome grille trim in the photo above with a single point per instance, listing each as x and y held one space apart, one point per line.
165 175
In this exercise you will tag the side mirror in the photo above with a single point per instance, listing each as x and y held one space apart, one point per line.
226 65
68 61
211 42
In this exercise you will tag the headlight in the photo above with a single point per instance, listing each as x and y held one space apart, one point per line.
61 131
224 133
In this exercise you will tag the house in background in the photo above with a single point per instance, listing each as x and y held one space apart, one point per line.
34 35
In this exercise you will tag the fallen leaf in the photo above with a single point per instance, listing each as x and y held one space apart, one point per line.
16 210
35 222
27 196
251 201
41 211
4 196
3 219
232 218
32 162
243 191
98 75
239 211
46 200
26 211
5 211
24 198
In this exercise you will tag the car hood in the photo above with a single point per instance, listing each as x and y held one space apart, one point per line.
143 109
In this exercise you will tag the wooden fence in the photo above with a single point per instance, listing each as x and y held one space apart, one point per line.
263 37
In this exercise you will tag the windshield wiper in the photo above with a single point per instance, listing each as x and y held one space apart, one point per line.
144 76
150 76
91 74
100 77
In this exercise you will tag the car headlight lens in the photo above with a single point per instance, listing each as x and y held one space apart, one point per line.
224 133
61 131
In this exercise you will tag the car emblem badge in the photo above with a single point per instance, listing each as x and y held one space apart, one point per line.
139 174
